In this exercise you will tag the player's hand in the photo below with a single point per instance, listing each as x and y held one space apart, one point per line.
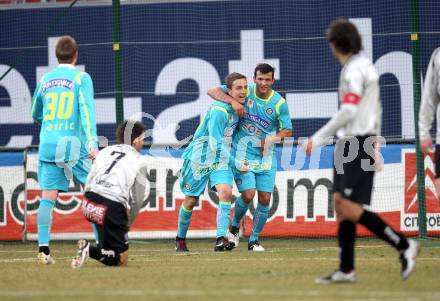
426 145
92 154
378 160
244 167
238 108
437 188
267 142
307 146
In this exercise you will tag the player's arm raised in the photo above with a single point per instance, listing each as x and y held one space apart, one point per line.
218 93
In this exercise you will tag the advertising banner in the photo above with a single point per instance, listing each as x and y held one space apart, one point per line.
301 204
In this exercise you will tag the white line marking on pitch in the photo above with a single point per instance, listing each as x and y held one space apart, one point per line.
358 294
141 257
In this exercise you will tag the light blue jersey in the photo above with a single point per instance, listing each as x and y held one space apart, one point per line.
207 156
213 136
63 104
263 117
64 107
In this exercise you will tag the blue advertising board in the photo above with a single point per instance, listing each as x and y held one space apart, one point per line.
174 52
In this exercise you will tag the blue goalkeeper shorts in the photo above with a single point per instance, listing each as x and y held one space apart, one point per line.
54 177
193 179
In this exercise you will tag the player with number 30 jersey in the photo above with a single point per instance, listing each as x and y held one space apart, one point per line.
63 105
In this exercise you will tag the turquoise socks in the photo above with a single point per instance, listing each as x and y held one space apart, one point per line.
223 214
184 220
240 210
260 218
44 221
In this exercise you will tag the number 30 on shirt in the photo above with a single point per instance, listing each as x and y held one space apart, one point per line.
59 105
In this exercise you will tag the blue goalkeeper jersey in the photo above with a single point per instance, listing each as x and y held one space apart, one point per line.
64 106
212 140
263 117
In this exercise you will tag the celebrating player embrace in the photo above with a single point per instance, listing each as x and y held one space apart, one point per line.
266 121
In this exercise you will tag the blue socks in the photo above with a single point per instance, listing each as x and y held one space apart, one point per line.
184 220
240 210
223 214
260 218
44 221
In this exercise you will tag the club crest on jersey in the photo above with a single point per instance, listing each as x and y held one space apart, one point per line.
250 103
238 182
269 111
187 186
251 129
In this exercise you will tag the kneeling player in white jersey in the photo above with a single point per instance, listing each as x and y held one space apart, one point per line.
113 196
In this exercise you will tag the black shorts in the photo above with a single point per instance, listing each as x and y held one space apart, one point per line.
437 161
110 218
355 182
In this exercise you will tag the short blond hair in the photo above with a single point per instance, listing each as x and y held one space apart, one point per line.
232 77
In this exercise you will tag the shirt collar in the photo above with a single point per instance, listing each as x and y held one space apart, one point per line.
67 66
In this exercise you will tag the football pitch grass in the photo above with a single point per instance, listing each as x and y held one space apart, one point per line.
286 271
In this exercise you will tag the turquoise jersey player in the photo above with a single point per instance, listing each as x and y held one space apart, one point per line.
265 121
64 107
206 159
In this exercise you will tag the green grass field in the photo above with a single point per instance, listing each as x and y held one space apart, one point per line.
286 271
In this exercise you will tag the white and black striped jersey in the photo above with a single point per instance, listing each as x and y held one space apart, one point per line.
119 174
431 98
360 111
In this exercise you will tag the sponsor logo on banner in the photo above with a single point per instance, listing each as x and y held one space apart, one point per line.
301 203
409 215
